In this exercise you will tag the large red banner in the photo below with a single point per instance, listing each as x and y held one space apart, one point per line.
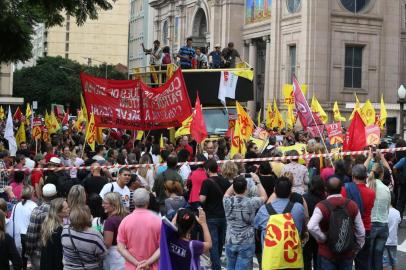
131 104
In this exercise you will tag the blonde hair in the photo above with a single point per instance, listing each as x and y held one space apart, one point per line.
229 170
173 187
289 175
376 169
26 194
143 171
114 199
80 218
52 220
76 196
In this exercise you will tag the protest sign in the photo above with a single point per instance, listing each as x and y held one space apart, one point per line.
131 104
335 133
373 134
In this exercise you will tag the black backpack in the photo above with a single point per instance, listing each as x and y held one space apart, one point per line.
340 235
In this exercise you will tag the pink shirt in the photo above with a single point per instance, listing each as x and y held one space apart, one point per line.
326 173
140 232
17 189
197 177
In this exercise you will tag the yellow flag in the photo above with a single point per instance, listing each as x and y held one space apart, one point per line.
2 115
170 69
243 72
237 142
185 128
137 73
90 137
246 124
337 114
316 108
99 135
368 113
357 107
20 135
53 124
277 121
28 114
161 142
290 118
84 109
287 91
383 114
80 120
154 74
47 120
140 133
259 118
268 116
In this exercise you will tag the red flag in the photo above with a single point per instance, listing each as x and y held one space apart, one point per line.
198 127
65 119
306 117
355 139
18 115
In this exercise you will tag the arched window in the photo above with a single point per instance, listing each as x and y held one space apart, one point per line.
293 5
355 5
165 33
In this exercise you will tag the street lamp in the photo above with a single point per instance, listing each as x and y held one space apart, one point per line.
402 101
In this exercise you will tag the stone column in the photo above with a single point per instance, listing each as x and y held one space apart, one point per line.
252 55
267 93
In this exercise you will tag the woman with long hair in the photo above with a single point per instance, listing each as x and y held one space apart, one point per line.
51 252
146 174
175 200
8 248
83 247
20 218
76 196
116 212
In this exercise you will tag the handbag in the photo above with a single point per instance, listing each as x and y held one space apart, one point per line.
76 250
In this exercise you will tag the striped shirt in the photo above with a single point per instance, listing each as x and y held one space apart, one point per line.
90 249
186 51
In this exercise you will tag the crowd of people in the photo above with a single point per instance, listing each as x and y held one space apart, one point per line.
163 212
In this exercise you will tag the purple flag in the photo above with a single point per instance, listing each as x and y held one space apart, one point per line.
165 258
306 117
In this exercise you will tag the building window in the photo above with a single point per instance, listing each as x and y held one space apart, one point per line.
66 47
355 5
67 26
67 37
293 5
292 61
165 33
353 66
66 55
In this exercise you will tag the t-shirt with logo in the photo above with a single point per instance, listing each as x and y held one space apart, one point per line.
114 187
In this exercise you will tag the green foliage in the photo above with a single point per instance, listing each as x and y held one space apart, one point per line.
18 18
56 80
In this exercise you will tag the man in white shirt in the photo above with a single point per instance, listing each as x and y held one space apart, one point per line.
124 175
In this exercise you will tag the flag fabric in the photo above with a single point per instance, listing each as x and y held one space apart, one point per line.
90 137
36 130
237 141
81 119
18 115
268 116
228 83
185 128
287 91
357 107
355 139
368 113
140 133
2 115
245 122
335 133
290 118
197 126
161 142
170 69
154 75
99 135
20 135
383 114
65 119
306 117
337 114
9 134
53 125
28 114
137 73
373 135
45 134
318 110
84 109
277 121
243 72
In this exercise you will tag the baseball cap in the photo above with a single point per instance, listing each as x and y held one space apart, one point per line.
49 190
55 160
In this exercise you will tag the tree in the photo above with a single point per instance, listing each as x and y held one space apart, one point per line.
18 18
56 80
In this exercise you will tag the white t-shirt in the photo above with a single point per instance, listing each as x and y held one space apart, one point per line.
393 222
184 171
124 192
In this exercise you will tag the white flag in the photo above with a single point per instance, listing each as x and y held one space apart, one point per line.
228 83
9 134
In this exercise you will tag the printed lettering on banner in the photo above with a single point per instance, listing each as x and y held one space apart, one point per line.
335 133
373 135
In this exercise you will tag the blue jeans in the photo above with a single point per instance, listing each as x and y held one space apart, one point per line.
240 257
217 228
362 257
326 264
379 235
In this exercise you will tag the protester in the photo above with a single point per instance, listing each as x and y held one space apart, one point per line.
211 198
216 58
8 249
83 247
299 172
124 175
139 245
175 200
51 232
194 184
18 184
201 58
76 197
186 54
240 213
230 54
336 240
94 182
116 212
390 251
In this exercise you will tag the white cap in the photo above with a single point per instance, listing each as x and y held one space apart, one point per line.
49 190
55 160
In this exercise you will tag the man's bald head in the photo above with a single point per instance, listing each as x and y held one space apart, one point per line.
334 185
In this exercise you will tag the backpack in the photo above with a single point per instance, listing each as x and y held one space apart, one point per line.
354 194
282 247
340 235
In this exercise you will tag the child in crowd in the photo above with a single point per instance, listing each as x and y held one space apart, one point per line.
389 253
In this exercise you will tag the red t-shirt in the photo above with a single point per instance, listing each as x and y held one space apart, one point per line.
35 177
368 199
189 149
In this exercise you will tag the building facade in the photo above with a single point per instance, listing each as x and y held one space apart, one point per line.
6 85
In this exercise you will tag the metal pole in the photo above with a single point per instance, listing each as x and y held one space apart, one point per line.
402 121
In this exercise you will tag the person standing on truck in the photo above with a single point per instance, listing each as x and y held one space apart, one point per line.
201 59
229 55
217 59
156 53
186 54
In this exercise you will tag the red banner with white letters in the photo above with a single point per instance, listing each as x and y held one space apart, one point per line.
132 105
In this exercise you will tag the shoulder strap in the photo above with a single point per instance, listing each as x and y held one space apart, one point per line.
216 185
270 209
327 204
14 214
288 207
112 187
75 249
